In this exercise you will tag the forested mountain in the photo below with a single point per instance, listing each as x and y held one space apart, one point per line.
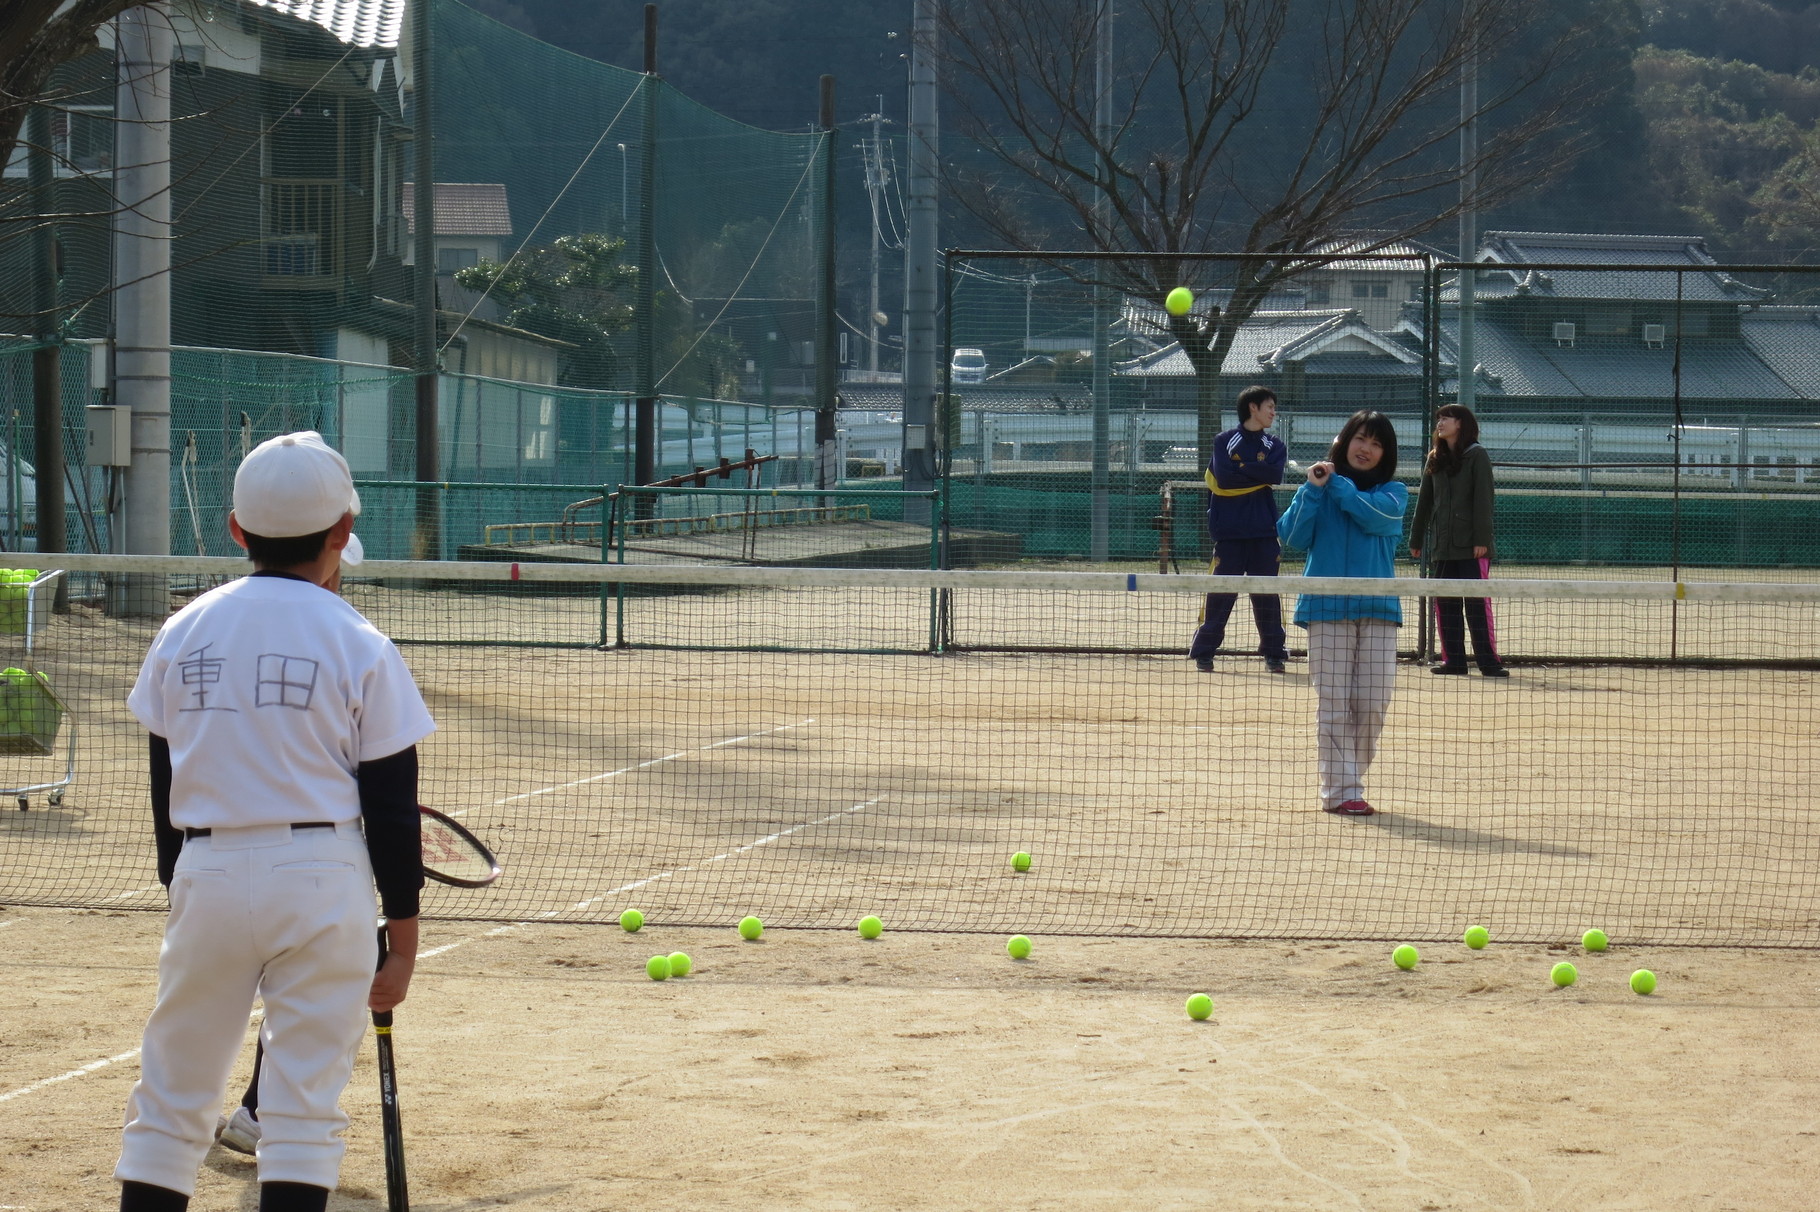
1716 134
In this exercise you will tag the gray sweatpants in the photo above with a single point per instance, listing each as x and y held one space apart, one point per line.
1353 664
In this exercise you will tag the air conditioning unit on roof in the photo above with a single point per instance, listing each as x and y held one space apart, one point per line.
1654 335
1564 333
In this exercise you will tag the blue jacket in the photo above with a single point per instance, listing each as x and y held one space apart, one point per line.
1346 533
1244 465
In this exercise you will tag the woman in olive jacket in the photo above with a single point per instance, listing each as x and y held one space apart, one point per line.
1453 524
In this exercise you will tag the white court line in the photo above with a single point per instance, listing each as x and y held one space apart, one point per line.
63 1077
13 921
651 879
668 757
127 896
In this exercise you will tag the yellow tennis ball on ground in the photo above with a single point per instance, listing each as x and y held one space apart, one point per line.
1199 1006
750 928
1594 940
1179 300
1018 947
1643 981
680 964
631 920
1564 974
1020 861
1405 957
870 926
658 967
1477 937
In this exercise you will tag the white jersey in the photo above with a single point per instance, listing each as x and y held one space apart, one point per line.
271 692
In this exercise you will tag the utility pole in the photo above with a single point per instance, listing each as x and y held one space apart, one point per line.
919 266
1100 526
873 157
644 350
142 300
47 358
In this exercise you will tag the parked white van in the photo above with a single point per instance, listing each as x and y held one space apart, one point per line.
968 366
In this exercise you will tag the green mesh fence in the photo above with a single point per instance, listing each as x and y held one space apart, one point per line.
1662 414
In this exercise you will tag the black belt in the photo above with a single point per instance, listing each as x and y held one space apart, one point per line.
189 833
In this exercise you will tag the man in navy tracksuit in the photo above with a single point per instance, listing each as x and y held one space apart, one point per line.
1242 521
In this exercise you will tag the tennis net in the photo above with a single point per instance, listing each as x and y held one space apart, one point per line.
812 745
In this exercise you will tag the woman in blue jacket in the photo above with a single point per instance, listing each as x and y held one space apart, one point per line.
1348 518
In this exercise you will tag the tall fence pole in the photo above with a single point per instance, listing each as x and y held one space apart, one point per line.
644 358
827 474
427 542
47 359
142 298
920 266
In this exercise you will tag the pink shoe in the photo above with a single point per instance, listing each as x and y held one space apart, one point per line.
1351 808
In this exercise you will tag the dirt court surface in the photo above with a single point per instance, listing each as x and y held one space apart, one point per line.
541 1070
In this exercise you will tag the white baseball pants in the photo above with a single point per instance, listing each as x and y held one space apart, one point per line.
1353 664
287 916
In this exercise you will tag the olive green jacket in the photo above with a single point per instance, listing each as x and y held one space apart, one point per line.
1453 512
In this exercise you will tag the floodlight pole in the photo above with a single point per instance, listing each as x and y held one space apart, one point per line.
827 473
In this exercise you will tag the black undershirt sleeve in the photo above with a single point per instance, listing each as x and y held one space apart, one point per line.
168 837
388 804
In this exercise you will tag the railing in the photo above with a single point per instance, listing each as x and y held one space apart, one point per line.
300 228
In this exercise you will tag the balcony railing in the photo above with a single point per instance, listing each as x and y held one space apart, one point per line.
300 229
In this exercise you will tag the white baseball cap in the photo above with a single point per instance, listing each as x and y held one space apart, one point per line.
291 485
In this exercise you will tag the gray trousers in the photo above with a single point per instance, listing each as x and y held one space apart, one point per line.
1353 664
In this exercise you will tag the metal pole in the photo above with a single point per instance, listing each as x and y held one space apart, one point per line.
920 266
875 185
1469 188
427 541
1100 526
644 359
827 473
142 301
47 359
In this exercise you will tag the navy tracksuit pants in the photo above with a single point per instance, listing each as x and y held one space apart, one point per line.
1243 557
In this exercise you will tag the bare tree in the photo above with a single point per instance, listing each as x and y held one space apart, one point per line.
1191 160
35 38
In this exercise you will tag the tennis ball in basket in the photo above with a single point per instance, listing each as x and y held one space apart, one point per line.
1477 937
631 920
870 927
1179 300
1564 974
1020 861
658 967
1643 981
1018 947
680 964
1594 940
1405 957
1199 1007
750 928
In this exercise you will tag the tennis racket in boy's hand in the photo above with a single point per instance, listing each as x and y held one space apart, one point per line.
452 855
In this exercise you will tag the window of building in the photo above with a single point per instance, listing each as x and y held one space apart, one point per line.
1370 290
82 143
1320 294
1607 321
448 260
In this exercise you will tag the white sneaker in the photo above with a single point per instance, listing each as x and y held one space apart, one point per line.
239 1132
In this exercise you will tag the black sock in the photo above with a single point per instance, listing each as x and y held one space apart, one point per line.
292 1197
143 1197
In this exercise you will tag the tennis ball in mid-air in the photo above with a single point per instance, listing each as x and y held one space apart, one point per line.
870 926
1477 937
1564 974
750 928
1179 300
1594 940
680 964
1199 1006
658 967
631 920
1643 981
1405 957
1018 947
1020 861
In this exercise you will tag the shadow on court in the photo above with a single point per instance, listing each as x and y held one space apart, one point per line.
1452 837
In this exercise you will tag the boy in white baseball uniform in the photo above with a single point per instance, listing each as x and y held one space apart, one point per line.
283 744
